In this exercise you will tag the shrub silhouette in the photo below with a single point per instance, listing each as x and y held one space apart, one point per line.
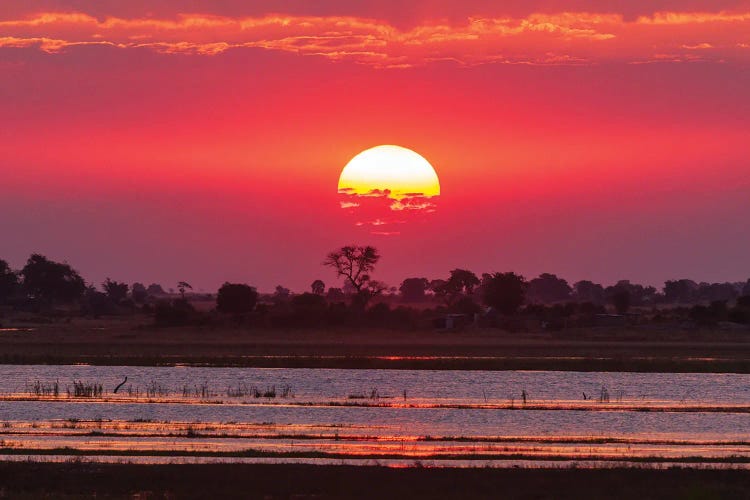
174 313
236 298
504 291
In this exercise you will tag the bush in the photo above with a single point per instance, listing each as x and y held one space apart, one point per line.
234 298
504 291
174 313
308 309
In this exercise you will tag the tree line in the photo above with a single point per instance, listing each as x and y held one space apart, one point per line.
43 284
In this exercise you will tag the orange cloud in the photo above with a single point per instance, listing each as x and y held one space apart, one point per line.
49 45
695 18
699 46
548 39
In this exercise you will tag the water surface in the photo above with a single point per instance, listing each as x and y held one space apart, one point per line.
311 414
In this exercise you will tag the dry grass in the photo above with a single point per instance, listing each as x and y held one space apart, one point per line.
127 342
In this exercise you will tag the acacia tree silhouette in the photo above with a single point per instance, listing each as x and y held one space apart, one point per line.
182 286
355 263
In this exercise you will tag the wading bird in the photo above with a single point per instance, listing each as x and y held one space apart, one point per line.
123 383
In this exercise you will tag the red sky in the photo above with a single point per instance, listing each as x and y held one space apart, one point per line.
202 140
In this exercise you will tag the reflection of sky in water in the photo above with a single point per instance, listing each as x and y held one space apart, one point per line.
209 412
444 440
409 421
323 386
455 386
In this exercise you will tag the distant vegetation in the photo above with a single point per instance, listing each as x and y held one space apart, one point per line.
47 290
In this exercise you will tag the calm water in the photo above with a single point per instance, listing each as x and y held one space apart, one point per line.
360 412
420 385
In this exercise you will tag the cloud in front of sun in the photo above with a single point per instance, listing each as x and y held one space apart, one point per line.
387 185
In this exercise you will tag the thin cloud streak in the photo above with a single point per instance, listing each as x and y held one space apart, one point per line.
568 38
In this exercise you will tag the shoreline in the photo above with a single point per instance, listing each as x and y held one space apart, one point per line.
82 479
113 343
398 362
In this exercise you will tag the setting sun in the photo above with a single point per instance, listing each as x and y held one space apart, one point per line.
389 170
388 249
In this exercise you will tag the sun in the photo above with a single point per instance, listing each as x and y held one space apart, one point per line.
392 171
388 186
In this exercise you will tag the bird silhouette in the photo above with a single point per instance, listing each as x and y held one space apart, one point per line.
123 383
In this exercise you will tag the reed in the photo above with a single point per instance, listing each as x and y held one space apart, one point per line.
240 391
270 392
373 394
154 389
202 391
39 388
83 389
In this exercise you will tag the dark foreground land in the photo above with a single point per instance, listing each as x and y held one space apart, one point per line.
83 480
646 349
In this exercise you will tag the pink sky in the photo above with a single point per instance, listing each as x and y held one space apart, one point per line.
202 141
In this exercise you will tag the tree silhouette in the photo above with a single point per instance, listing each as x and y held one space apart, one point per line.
318 287
621 299
281 294
8 282
236 298
439 287
463 280
548 288
116 292
48 281
588 291
504 291
308 309
96 303
711 292
680 291
354 264
139 293
639 295
183 286
174 313
412 289
155 290
335 295
460 283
